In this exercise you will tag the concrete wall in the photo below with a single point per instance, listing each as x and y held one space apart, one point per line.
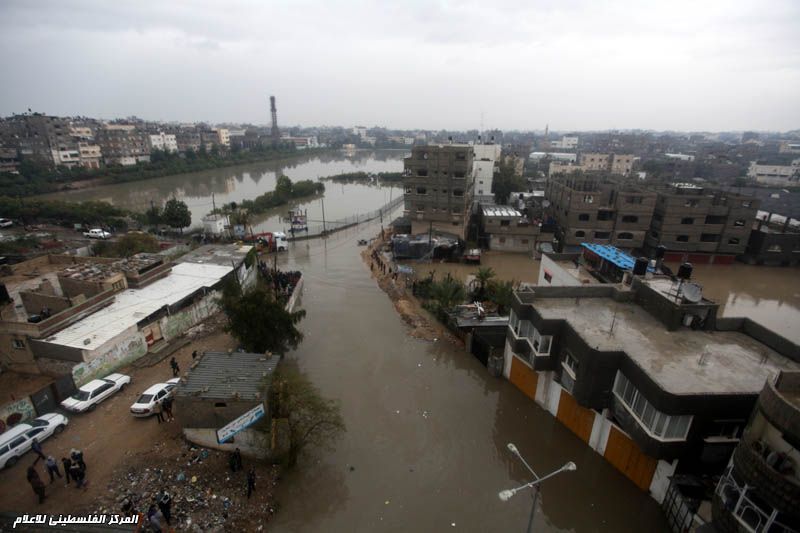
558 275
251 442
22 410
176 324
120 351
34 302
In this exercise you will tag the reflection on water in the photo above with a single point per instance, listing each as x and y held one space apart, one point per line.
427 427
235 184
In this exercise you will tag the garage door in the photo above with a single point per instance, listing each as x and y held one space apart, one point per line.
578 419
523 377
629 459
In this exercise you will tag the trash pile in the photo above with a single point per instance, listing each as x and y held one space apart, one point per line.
206 495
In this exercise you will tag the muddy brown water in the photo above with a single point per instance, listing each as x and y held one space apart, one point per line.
427 427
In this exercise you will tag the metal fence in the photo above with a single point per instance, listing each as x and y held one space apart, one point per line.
331 226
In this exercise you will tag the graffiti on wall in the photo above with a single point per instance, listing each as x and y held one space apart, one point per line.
15 412
177 323
122 353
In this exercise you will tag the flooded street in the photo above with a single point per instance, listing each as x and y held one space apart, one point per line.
425 448
234 184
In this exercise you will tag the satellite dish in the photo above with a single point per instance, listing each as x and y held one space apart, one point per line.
692 292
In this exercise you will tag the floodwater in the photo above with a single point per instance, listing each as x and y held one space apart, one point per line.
427 426
234 184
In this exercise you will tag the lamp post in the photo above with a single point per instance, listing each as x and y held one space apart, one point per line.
507 494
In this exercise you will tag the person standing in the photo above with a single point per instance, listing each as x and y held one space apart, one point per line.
167 403
77 457
52 468
67 463
158 408
175 368
36 446
152 517
36 482
194 355
78 474
165 505
251 482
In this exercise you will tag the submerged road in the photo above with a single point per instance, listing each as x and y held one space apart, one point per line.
427 426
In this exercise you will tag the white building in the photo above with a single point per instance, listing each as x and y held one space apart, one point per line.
165 141
783 175
556 156
680 157
90 155
361 131
215 224
567 142
224 137
789 147
69 157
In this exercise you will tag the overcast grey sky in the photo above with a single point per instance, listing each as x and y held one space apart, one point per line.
575 64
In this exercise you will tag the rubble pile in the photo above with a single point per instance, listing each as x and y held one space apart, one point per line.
206 495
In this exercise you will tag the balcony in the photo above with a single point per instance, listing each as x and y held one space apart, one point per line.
780 490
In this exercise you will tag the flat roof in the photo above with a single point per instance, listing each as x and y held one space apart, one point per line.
223 375
681 362
132 305
217 254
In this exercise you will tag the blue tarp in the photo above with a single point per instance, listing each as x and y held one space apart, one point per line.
613 255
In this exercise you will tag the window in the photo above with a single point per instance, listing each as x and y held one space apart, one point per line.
625 236
658 217
588 199
420 209
458 174
725 430
605 215
733 240
682 238
630 219
739 223
715 219
747 203
505 222
18 344
602 234
541 343
423 155
458 192
548 277
525 241
461 156
502 240
657 424
709 237
691 203
583 217
513 322
456 210
422 172
220 404
118 285
775 248
422 191
580 233
687 221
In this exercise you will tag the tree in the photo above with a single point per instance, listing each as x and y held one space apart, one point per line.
258 321
283 187
483 276
506 181
176 214
502 294
312 419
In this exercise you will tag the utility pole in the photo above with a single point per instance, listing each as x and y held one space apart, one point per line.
324 230
430 240
213 202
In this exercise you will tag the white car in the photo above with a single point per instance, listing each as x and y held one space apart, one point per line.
94 392
17 441
145 405
97 233
6 223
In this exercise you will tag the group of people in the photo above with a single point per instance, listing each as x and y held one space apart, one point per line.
282 282
163 410
382 266
74 470
235 461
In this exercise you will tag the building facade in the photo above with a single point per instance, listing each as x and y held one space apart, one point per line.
122 144
776 175
701 225
438 181
163 141
593 208
508 230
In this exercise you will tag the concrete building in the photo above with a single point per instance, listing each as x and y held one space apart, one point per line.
680 157
760 489
219 388
776 175
701 225
215 224
122 144
619 164
508 230
223 137
617 366
438 181
789 147
567 142
566 157
775 240
188 140
90 155
485 159
163 141
37 136
592 208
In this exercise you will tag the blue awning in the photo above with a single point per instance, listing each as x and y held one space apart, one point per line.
613 255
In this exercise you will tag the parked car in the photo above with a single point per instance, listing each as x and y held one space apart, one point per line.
97 233
155 394
94 392
15 442
6 223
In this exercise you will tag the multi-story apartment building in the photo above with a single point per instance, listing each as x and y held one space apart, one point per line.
594 208
223 137
760 489
619 367
122 144
485 159
776 175
701 225
90 155
38 136
188 140
789 147
567 142
163 141
438 180
620 164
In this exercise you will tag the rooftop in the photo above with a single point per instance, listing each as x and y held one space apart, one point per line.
223 375
681 362
217 254
501 211
613 255
132 305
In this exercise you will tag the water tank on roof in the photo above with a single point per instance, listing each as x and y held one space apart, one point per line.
640 266
660 251
685 271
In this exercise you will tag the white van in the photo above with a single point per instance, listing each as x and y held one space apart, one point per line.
17 441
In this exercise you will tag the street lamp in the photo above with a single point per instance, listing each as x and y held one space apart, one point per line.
507 494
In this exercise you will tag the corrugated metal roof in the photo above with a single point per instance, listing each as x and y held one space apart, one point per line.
224 376
501 211
614 255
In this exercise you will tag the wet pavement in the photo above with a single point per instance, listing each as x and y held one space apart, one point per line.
425 448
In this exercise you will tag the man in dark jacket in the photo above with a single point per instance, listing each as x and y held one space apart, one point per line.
36 482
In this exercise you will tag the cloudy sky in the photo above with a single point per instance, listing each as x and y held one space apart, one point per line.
513 64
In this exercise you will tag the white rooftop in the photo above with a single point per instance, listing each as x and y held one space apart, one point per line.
501 211
132 305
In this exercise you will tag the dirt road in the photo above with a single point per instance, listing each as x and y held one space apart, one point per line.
110 439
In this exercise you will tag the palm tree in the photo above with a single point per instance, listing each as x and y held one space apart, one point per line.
502 293
482 277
